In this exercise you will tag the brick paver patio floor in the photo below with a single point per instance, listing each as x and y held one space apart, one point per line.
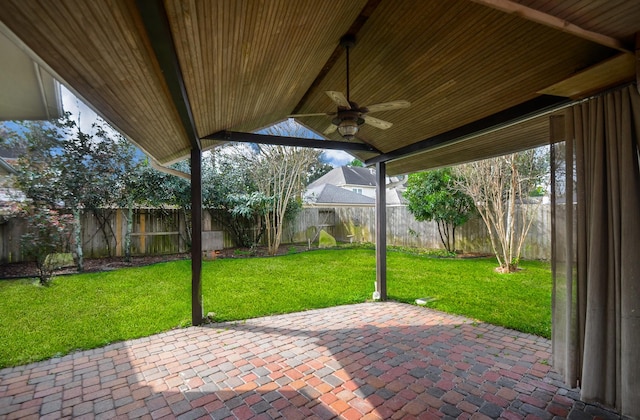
371 360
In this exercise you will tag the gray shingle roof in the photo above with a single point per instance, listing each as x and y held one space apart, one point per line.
330 194
347 175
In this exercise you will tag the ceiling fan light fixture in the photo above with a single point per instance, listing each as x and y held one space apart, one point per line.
348 129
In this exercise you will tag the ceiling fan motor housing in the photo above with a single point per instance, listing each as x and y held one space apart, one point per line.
348 115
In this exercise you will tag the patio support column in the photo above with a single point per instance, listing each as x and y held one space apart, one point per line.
196 236
381 229
156 23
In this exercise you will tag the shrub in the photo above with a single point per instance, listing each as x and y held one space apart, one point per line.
48 232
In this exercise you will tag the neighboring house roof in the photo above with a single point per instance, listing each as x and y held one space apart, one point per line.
332 188
330 194
395 198
8 194
347 175
327 194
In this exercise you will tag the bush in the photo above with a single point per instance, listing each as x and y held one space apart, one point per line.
48 233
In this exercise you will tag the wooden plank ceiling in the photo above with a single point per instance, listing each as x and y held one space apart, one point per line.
247 64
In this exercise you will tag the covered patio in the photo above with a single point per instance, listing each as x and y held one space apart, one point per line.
364 361
450 82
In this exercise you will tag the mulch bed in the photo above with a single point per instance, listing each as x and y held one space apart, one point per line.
28 269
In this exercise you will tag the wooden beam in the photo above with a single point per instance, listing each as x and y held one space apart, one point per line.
289 141
604 75
511 7
381 229
156 22
510 116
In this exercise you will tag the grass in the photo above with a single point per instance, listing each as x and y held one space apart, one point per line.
471 287
90 310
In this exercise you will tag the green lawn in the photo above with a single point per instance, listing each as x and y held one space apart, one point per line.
91 310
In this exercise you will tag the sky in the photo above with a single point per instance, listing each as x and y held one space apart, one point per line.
84 115
289 127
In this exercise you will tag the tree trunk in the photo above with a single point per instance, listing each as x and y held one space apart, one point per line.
127 234
77 233
103 216
443 237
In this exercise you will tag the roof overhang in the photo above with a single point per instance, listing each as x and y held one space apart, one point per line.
173 75
29 92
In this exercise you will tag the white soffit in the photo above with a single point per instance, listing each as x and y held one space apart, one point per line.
28 92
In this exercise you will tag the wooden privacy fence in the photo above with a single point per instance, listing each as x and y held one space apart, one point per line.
357 224
164 231
154 231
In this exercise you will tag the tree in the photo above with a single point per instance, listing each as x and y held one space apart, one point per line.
433 196
131 192
48 233
231 196
316 170
65 166
355 163
228 192
161 190
496 186
255 190
279 174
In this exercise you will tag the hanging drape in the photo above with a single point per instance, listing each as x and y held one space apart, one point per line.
596 248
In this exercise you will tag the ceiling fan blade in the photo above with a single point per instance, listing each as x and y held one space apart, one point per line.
378 123
317 114
331 129
338 98
388 106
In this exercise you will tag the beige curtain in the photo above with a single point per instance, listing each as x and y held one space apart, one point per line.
596 249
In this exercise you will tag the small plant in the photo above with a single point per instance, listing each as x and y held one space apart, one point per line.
48 233
292 250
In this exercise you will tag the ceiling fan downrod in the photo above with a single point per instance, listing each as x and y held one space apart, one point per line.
348 41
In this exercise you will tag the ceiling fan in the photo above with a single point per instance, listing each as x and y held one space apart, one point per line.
349 116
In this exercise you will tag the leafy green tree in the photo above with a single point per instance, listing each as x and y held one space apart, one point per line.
278 175
131 192
230 194
48 232
433 196
254 190
157 189
316 170
356 163
65 166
